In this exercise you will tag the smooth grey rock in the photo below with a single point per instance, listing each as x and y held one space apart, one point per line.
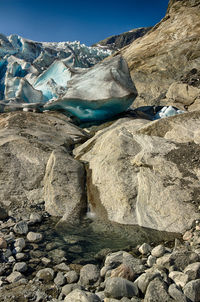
145 248
179 278
176 293
20 267
192 290
126 194
68 288
60 279
21 228
57 255
193 271
45 274
28 140
158 251
63 267
89 274
71 277
143 280
14 277
113 260
151 261
20 256
82 296
157 291
35 218
118 288
20 242
34 237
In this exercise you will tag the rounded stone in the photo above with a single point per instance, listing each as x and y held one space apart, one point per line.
20 242
192 290
89 274
46 274
145 248
158 251
20 267
118 288
71 277
3 243
21 228
14 277
34 237
35 218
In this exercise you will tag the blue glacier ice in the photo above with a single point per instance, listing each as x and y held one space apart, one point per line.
44 66
58 74
99 92
167 111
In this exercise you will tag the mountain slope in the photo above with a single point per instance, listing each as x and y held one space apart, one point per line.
118 41
166 53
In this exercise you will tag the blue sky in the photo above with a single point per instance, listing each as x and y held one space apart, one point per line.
86 21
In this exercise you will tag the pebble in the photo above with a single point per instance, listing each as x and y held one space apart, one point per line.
14 277
158 251
46 274
21 228
145 248
34 237
20 267
71 277
3 243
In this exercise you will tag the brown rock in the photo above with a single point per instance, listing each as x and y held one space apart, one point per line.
3 243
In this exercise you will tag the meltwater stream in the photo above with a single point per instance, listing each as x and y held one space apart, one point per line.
91 240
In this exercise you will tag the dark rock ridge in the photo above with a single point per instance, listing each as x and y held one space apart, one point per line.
118 41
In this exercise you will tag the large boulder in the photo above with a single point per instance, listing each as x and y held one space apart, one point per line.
166 53
35 157
147 175
98 93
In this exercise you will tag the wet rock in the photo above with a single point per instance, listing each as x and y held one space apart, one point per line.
20 256
46 274
63 267
192 290
14 277
34 237
21 228
20 267
35 218
20 242
3 213
118 288
57 255
89 274
3 243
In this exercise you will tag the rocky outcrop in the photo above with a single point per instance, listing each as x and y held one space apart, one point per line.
35 158
145 174
118 41
167 53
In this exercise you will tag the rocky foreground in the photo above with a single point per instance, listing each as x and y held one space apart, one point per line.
30 272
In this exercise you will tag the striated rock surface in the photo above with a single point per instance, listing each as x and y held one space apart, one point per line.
167 53
146 175
31 165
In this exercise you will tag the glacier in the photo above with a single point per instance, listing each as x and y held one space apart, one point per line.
98 93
